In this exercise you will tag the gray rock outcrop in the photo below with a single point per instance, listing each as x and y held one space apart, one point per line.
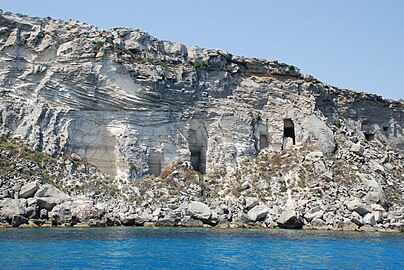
116 127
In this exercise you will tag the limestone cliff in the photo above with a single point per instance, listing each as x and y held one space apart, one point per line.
132 105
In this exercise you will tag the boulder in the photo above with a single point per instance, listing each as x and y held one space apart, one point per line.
28 190
314 213
357 219
43 214
244 186
129 220
251 202
369 219
357 206
191 223
199 210
61 214
18 220
10 207
47 202
258 213
290 219
75 157
357 148
375 197
31 212
166 222
317 222
84 210
51 191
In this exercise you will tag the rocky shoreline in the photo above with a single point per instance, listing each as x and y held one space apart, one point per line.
180 197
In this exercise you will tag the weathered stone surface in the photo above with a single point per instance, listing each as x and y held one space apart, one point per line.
357 148
321 132
258 213
314 213
191 223
251 202
290 219
369 219
10 207
244 186
51 191
47 202
28 190
200 210
357 206
61 214
134 106
18 220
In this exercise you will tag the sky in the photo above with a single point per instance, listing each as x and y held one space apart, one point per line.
353 44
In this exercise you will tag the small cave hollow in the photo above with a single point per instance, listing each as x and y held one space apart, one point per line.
369 136
155 161
197 143
264 142
198 158
288 130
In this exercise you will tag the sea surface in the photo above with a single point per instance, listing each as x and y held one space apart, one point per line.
200 248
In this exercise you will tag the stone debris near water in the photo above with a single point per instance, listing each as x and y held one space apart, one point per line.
28 190
109 128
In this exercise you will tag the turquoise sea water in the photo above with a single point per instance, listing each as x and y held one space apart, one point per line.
183 248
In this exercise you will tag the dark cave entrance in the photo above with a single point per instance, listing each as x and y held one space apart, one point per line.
288 130
155 161
198 158
197 143
264 142
369 136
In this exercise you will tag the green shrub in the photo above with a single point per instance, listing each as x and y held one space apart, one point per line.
290 67
199 63
337 123
99 44
284 188
258 117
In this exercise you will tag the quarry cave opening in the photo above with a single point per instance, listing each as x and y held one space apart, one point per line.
288 130
369 136
197 143
155 161
264 142
198 158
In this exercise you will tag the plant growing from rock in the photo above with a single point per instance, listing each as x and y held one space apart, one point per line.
337 122
198 63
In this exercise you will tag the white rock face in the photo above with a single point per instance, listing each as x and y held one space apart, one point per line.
200 210
131 104
258 213
28 190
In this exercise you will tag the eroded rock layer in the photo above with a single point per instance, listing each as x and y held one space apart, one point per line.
132 106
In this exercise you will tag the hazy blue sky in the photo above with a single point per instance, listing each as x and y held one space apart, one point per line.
355 44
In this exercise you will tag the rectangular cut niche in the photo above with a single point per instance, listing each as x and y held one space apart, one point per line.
197 142
264 143
288 132
369 136
155 161
198 158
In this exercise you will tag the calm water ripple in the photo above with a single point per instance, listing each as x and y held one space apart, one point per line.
183 248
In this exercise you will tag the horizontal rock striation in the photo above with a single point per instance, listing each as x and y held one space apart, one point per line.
180 135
